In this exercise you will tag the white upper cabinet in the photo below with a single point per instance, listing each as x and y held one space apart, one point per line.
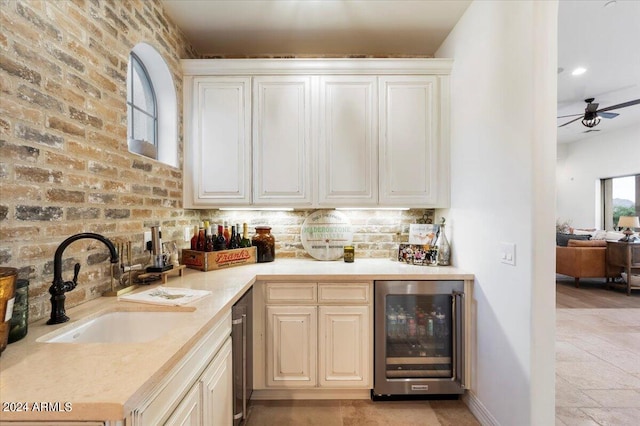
310 133
281 140
218 153
347 148
410 157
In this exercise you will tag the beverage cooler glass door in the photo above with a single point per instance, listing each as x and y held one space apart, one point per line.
419 337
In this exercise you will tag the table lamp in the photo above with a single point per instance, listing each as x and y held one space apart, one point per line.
629 223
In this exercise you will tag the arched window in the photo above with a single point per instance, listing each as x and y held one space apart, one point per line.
152 107
142 115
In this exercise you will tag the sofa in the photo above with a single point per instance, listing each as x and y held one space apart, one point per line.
582 258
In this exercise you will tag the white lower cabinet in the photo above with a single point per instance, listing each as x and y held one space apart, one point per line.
291 345
344 355
217 389
197 391
189 411
317 335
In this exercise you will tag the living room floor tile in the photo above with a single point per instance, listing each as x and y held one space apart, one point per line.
617 398
565 351
614 416
625 360
597 367
574 417
567 395
596 375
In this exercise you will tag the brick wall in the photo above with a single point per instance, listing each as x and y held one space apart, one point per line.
65 167
374 231
64 163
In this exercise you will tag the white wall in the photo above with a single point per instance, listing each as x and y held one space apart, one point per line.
583 163
503 190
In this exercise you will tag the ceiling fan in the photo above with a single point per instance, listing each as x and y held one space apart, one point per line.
592 114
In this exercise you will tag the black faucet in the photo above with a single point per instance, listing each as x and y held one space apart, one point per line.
59 286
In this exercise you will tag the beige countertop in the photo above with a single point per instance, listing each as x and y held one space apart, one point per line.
104 381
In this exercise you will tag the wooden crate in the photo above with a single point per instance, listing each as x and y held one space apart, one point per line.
212 260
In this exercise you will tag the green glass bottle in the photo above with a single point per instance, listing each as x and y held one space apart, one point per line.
245 241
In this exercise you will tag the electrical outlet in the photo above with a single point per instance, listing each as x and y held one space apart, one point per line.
187 233
147 239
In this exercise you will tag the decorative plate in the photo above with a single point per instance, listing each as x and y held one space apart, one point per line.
324 234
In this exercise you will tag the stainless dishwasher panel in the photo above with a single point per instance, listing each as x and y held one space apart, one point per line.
242 338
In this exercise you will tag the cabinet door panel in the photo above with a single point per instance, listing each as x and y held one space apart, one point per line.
291 346
281 135
344 347
188 412
409 140
219 148
217 389
348 141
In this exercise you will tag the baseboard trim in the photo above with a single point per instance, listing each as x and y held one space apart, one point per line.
271 394
479 410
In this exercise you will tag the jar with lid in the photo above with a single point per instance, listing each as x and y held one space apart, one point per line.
265 244
20 317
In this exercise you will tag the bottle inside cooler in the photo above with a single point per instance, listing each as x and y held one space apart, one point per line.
419 336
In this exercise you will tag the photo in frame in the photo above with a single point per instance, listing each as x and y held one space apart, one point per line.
423 234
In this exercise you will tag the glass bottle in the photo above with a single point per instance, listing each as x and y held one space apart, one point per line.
444 249
402 323
265 244
208 244
20 316
227 233
220 243
201 238
238 236
194 239
245 241
233 240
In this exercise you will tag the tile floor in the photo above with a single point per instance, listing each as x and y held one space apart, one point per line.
359 413
598 367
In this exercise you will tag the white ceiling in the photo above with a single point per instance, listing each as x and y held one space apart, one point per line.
602 39
315 27
605 41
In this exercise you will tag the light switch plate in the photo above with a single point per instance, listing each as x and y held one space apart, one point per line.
507 253
186 233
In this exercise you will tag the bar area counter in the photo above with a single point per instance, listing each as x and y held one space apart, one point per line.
104 382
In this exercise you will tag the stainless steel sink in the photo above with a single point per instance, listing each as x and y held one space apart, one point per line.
119 327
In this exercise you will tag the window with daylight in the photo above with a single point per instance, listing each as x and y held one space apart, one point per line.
142 116
152 108
621 197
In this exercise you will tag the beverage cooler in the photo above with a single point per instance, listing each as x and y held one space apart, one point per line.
419 338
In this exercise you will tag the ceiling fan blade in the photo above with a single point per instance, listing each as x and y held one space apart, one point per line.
622 105
569 122
608 114
571 115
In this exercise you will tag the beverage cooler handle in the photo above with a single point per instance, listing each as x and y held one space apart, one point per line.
244 366
459 322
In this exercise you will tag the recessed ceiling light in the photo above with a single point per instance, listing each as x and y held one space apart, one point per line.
610 3
578 71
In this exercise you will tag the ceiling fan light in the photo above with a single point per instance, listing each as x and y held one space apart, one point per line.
591 122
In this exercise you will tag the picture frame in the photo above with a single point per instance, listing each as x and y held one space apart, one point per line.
423 233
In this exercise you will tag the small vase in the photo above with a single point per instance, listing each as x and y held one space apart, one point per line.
444 249
265 244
